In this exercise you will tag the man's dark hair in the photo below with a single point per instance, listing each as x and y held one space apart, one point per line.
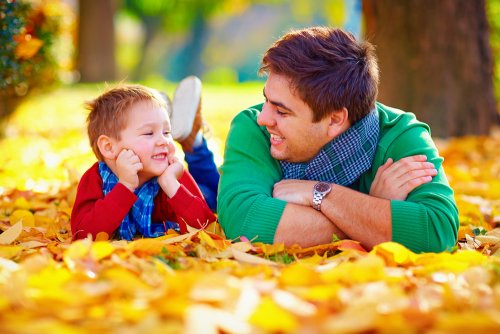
328 68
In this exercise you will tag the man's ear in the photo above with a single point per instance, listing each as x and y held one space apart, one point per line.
339 122
107 147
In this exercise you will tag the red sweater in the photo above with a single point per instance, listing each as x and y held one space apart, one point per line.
93 212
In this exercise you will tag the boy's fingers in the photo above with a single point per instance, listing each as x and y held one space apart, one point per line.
138 166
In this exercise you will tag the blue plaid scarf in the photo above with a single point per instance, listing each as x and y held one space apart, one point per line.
138 219
343 160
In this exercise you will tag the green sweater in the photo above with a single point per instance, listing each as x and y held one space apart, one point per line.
427 221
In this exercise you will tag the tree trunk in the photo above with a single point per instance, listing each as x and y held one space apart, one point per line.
96 40
435 61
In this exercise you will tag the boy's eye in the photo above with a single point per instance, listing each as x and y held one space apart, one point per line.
148 133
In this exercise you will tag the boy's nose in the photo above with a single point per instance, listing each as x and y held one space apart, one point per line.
163 140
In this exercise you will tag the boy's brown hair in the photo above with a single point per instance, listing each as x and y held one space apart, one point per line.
108 112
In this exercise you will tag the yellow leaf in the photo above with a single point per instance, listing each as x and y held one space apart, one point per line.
22 215
22 203
458 262
395 254
10 251
205 238
11 234
270 249
269 317
366 269
322 293
299 274
77 251
213 241
124 280
101 249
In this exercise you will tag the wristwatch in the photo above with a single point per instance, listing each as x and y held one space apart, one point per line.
320 190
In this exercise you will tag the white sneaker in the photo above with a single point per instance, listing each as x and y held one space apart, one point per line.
168 102
186 103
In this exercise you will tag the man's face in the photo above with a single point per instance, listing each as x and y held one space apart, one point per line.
294 136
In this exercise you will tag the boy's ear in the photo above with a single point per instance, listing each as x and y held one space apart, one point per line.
339 122
107 147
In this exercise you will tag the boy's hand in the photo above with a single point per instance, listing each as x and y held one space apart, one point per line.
169 180
395 180
128 165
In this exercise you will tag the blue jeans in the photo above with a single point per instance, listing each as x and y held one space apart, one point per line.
202 167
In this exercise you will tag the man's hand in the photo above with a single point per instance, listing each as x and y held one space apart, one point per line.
294 191
169 180
128 165
395 180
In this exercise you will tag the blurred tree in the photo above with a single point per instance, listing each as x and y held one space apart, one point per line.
172 17
96 40
29 33
435 61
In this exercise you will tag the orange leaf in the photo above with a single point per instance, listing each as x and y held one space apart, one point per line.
146 246
350 244
28 48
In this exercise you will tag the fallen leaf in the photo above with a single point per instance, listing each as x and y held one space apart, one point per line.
11 234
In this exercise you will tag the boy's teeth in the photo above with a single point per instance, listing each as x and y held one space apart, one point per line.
276 137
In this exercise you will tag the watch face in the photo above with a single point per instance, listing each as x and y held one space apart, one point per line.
322 187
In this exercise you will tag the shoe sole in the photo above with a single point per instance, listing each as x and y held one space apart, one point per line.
185 105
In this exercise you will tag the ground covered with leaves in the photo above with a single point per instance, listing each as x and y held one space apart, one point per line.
202 283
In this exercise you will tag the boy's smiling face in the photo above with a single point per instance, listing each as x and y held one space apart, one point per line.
147 133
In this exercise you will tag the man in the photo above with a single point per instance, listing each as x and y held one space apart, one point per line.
316 159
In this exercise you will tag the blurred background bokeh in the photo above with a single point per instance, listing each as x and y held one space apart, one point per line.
438 59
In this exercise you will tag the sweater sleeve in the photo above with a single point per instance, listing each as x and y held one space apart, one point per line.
93 212
188 204
427 221
245 203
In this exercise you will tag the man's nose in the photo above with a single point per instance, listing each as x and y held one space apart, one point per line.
265 117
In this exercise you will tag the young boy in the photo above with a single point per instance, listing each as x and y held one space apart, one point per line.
138 186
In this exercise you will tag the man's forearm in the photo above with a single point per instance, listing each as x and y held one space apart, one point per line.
305 226
364 218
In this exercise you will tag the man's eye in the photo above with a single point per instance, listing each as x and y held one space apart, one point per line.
166 133
279 112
